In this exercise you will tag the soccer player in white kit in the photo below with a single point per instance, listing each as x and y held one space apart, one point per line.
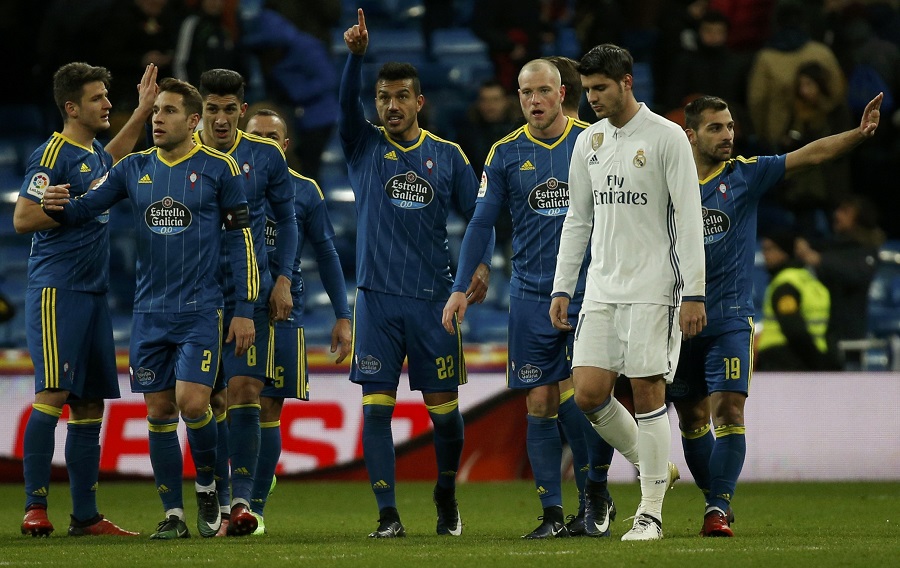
633 195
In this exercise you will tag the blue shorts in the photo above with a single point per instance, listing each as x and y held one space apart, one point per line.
258 361
719 359
74 352
388 329
291 379
539 354
166 348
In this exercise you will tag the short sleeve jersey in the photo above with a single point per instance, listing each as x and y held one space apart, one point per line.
71 258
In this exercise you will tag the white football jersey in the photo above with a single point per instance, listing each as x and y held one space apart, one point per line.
633 193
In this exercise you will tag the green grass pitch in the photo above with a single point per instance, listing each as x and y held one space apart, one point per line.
325 524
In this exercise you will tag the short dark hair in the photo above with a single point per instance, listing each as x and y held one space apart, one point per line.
222 82
694 110
570 79
70 79
607 59
193 102
267 112
394 71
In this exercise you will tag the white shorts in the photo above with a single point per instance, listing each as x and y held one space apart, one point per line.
635 340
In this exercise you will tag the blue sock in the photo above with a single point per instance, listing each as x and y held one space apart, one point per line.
269 452
223 473
545 453
243 444
202 435
725 464
698 448
448 441
165 457
378 447
38 446
83 463
576 427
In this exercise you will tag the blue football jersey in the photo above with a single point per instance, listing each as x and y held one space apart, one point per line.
530 176
730 198
404 191
72 258
268 188
178 213
313 225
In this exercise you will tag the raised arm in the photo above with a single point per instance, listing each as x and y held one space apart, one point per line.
831 147
353 118
125 140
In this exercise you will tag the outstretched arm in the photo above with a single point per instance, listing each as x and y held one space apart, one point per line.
830 147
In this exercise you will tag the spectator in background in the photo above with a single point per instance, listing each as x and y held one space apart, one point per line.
815 113
773 75
135 34
299 76
796 311
491 117
750 21
514 31
846 265
204 42
690 75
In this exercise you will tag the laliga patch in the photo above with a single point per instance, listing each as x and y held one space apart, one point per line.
39 182
482 187
550 199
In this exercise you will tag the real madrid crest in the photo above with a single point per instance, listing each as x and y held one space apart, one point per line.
596 140
640 160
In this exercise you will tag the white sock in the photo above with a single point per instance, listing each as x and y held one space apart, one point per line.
204 488
615 425
178 512
653 441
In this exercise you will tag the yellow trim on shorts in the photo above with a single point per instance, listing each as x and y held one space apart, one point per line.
302 383
50 343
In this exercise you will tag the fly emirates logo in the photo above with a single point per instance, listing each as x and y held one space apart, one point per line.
613 194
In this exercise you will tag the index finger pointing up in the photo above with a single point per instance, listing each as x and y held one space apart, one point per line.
362 20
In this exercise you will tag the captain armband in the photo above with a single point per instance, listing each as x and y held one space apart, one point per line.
237 218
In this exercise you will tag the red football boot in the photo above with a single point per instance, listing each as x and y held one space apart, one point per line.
715 523
103 527
36 522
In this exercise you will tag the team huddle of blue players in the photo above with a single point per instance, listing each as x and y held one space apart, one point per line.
218 338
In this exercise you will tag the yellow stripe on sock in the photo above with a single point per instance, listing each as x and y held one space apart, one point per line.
276 424
694 434
251 405
382 399
162 428
729 429
47 409
207 418
222 417
86 421
445 408
564 396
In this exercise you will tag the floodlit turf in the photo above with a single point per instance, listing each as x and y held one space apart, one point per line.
325 524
